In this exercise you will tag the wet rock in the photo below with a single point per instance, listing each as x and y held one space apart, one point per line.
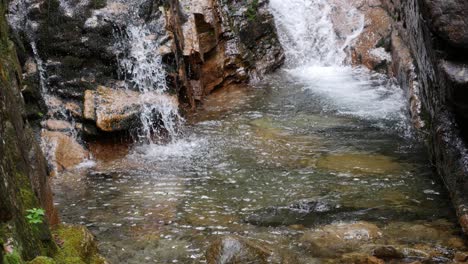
449 20
232 250
57 125
359 164
357 258
371 47
334 240
387 252
63 150
461 257
457 75
77 245
440 232
117 109
301 213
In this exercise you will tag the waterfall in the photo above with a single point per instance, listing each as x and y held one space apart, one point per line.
315 35
308 34
140 64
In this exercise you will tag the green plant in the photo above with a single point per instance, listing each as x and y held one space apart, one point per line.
35 215
252 10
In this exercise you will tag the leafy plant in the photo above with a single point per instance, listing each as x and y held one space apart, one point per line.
35 215
252 10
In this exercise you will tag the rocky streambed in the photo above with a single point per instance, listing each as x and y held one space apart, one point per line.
278 174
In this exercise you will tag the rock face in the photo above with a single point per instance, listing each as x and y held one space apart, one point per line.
24 182
435 34
427 41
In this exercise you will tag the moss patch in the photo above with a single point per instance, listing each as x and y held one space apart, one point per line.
78 246
42 260
12 258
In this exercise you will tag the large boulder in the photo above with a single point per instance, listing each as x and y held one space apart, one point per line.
118 109
63 149
334 240
239 250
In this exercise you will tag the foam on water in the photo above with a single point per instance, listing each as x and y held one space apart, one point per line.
356 92
315 35
175 150
141 66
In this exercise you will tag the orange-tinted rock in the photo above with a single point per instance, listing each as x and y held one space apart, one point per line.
63 151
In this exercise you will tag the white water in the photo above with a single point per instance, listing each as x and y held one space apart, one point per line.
315 35
143 69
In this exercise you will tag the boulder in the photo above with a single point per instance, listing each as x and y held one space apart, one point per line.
62 150
357 258
236 250
118 109
334 240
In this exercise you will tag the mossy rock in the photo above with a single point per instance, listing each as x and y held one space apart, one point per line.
78 246
42 260
12 258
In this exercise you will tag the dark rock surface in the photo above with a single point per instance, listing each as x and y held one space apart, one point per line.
24 182
435 33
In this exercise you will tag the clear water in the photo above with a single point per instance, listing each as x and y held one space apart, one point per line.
317 131
272 145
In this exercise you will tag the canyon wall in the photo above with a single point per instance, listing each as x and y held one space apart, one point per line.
436 34
425 47
24 178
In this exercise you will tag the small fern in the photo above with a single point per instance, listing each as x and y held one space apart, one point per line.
35 215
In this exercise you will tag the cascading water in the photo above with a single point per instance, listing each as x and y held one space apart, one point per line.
316 35
141 66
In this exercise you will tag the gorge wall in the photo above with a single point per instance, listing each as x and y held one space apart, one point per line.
436 34
423 44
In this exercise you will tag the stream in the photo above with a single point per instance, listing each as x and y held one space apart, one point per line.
279 143
314 145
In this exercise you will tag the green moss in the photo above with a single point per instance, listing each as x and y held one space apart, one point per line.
78 246
12 258
74 260
252 10
42 260
96 4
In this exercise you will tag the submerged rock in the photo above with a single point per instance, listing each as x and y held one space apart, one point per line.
358 258
360 164
234 250
337 239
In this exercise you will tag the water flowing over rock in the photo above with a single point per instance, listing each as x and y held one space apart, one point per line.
337 239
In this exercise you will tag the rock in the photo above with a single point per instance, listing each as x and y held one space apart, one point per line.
449 20
25 183
63 150
371 47
461 257
387 252
334 240
42 260
117 109
306 213
77 245
365 164
233 250
440 232
357 258
57 125
456 75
